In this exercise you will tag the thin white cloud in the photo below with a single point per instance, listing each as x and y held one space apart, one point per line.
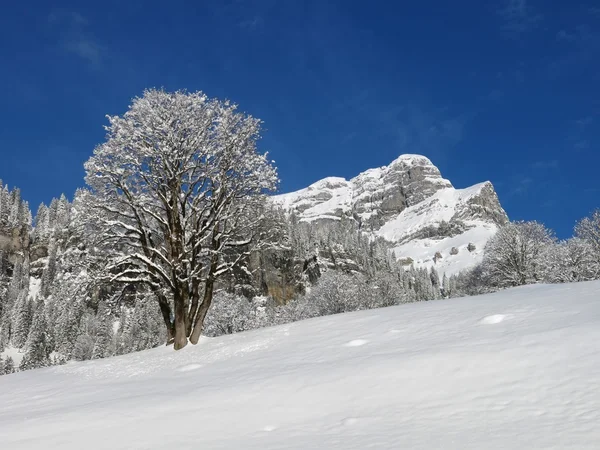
579 35
545 165
584 122
253 23
248 15
518 18
565 36
75 38
86 49
579 136
62 16
580 48
411 127
422 130
521 185
495 95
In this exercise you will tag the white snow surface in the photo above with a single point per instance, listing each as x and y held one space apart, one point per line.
421 250
519 369
14 353
337 191
35 285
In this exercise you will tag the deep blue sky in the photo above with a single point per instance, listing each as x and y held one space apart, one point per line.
502 90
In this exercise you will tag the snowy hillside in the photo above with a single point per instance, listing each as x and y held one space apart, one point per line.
516 369
408 203
442 206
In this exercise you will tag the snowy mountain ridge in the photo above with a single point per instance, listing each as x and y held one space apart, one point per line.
409 204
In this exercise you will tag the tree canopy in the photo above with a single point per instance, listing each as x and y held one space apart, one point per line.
178 182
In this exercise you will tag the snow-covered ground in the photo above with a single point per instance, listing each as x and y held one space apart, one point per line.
518 369
14 353
421 250
35 284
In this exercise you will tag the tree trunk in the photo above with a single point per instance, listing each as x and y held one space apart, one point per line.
193 309
165 310
180 321
202 310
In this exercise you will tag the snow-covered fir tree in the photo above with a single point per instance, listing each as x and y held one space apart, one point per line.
8 366
39 345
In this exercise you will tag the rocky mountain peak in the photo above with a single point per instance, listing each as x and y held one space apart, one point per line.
407 201
382 193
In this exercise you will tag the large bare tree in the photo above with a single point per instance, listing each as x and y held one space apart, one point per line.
176 185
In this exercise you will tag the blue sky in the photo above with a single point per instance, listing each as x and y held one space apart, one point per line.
502 90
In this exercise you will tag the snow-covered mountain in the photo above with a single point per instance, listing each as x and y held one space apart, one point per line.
518 369
409 204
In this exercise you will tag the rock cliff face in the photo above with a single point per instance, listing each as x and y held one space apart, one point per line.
410 205
14 242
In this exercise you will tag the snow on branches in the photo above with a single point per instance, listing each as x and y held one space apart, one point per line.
177 184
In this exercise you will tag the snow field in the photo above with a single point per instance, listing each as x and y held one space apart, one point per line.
515 369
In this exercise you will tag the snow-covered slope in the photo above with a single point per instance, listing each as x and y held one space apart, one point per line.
329 198
443 206
408 203
519 369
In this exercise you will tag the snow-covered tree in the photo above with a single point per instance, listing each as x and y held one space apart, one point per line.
63 212
42 225
229 314
104 334
174 188
15 215
38 343
5 330
22 316
140 328
8 366
83 347
50 269
4 205
588 229
571 260
515 255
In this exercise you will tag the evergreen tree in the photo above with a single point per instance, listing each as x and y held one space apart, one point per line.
63 210
103 342
83 347
38 343
4 207
52 214
22 316
50 270
588 229
42 227
435 283
15 217
67 322
8 366
5 329
446 291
